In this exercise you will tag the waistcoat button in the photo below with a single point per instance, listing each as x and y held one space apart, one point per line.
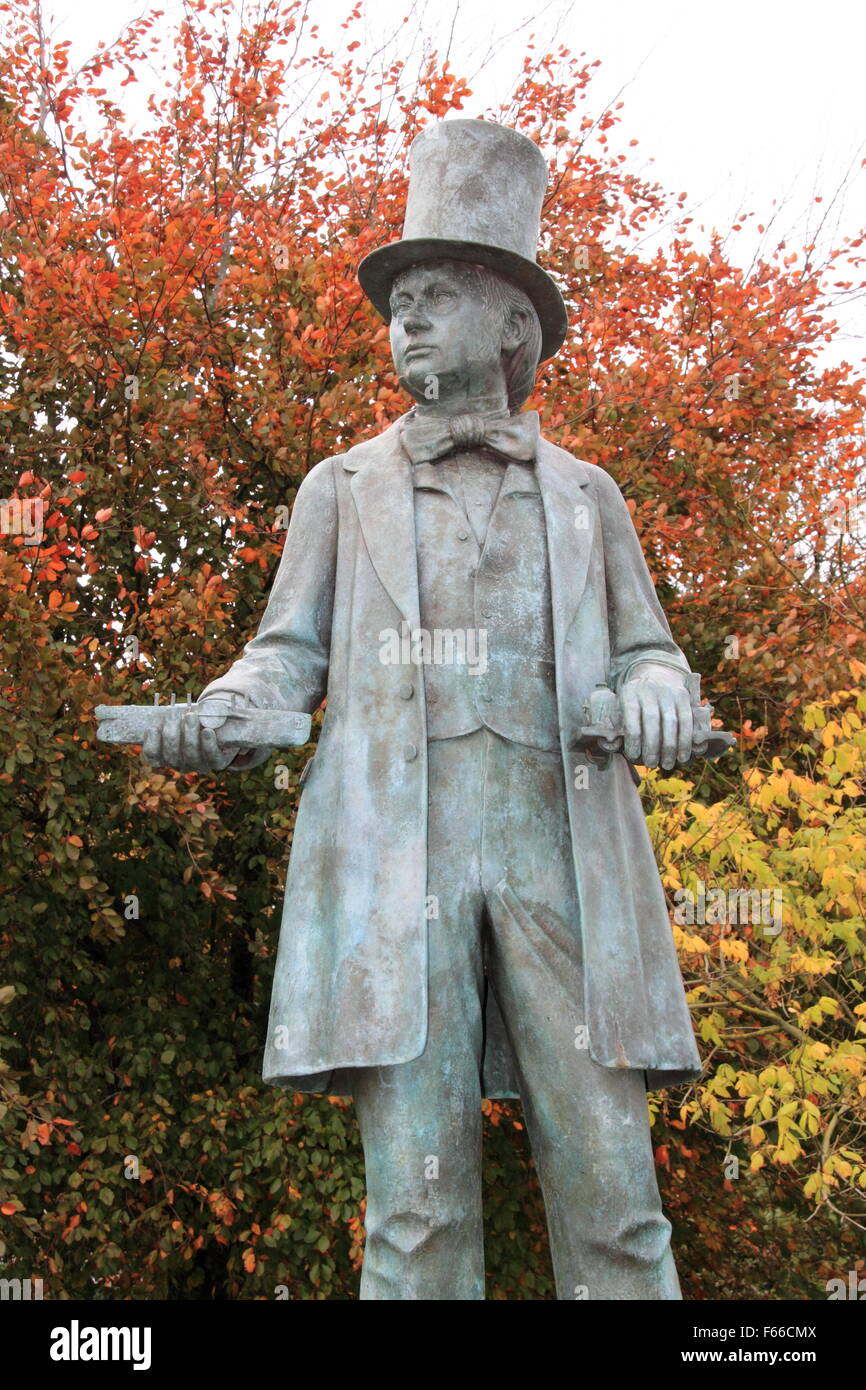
462 535
407 690
410 752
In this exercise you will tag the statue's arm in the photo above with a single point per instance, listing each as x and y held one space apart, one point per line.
285 666
641 644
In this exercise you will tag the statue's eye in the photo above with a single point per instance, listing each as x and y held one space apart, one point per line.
441 295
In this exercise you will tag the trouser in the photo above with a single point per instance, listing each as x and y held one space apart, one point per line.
501 875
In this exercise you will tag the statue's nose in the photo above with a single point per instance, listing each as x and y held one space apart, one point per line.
416 320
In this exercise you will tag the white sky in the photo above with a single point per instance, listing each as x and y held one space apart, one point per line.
745 105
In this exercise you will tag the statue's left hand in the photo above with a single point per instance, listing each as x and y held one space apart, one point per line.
657 711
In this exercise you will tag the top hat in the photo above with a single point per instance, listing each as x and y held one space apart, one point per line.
475 194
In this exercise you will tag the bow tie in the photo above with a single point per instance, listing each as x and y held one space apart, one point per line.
430 437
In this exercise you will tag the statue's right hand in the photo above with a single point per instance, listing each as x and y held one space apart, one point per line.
184 743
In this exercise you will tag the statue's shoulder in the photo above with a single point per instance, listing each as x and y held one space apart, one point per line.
325 476
372 449
575 469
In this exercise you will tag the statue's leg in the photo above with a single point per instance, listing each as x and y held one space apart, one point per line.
588 1125
421 1120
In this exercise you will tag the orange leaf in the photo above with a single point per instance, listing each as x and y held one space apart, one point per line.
55 598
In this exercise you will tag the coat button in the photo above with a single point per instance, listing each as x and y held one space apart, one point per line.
462 535
407 690
410 752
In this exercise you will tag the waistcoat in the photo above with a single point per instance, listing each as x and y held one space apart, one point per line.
486 622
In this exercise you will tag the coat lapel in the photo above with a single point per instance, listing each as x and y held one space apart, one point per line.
385 502
570 514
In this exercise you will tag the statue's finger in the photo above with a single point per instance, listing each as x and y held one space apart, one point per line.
669 729
686 726
650 717
151 748
632 725
214 758
189 751
171 737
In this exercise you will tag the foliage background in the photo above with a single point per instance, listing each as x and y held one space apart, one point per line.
182 338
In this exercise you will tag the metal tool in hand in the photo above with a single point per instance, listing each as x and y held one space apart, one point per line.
240 726
603 730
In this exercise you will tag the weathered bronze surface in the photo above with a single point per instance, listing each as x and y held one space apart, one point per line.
472 905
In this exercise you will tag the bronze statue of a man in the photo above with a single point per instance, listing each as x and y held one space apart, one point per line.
472 906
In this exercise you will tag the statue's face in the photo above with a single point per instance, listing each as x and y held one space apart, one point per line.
444 341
